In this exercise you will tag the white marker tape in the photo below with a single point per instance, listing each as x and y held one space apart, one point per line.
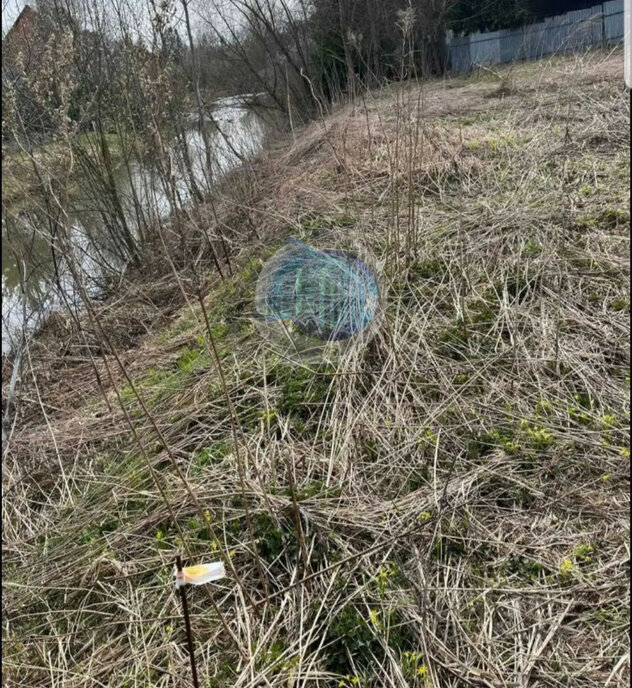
200 574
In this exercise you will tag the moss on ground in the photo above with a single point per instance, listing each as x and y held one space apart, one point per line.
471 461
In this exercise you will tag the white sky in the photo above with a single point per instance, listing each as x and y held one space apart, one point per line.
12 8
200 12
10 11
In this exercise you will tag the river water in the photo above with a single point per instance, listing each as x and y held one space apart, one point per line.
27 258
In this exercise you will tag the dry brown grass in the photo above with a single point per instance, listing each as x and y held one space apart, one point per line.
460 485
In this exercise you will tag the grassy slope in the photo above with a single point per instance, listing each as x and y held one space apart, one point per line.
498 211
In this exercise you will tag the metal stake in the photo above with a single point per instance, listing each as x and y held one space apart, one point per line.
187 624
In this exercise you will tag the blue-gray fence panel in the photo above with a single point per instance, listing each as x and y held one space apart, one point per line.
531 41
582 29
508 45
485 48
613 21
460 54
571 32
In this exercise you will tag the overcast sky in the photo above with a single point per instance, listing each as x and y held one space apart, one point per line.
12 8
200 12
10 11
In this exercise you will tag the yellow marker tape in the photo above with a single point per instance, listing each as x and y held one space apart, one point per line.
200 574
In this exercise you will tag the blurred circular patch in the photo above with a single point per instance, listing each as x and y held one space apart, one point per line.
312 298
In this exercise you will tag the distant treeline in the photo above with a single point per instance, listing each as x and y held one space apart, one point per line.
302 54
301 51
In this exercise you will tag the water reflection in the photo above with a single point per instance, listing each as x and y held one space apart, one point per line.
234 133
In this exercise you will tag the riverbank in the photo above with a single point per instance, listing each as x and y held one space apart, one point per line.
140 191
19 180
454 497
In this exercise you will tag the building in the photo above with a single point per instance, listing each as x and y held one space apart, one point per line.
20 39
